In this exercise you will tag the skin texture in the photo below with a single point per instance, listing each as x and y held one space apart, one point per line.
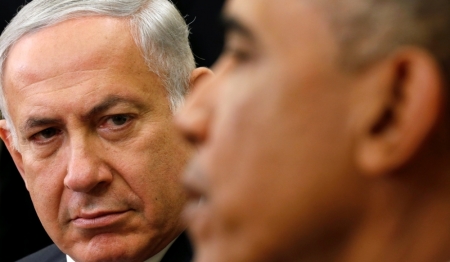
302 160
97 148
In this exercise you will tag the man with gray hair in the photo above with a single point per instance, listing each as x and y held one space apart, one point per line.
88 90
325 134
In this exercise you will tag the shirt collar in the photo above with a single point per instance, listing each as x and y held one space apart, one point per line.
155 258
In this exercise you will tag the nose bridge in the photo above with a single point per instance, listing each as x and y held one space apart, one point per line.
193 120
84 164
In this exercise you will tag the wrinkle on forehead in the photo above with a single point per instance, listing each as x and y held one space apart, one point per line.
79 77
77 44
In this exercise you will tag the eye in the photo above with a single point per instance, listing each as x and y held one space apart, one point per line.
238 48
116 122
119 120
237 54
45 135
116 127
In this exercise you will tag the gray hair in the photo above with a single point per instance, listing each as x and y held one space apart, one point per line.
371 29
157 27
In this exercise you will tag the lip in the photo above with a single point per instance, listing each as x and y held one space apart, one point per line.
193 206
99 219
190 210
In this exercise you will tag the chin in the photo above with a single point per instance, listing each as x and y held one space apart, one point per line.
109 257
112 251
208 254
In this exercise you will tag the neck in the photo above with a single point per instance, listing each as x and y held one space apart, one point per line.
407 220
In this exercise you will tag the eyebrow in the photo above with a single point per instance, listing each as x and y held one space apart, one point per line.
103 106
233 25
108 103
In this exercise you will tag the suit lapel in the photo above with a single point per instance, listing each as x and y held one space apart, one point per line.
180 251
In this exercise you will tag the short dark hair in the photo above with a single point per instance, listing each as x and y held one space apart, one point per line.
369 30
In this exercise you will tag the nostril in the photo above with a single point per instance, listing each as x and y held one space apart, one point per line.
191 138
193 123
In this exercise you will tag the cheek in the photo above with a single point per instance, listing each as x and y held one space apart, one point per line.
266 150
44 178
44 181
155 157
152 167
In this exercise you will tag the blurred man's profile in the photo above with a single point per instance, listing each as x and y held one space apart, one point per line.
324 135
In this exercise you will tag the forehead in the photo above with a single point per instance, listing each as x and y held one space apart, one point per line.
284 25
88 43
269 14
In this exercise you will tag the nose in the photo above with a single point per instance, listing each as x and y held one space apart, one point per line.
86 170
194 118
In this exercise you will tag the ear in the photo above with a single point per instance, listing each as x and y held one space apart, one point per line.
5 135
409 108
199 75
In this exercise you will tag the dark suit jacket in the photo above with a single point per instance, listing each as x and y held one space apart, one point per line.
180 251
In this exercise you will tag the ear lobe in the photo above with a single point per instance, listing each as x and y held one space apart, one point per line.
5 135
409 116
198 76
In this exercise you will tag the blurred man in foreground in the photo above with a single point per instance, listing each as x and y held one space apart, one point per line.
88 91
324 135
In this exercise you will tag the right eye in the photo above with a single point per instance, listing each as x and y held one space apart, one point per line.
238 48
239 55
45 135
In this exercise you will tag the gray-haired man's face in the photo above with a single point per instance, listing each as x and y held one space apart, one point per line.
97 148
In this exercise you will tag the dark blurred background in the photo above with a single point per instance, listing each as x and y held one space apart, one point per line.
20 230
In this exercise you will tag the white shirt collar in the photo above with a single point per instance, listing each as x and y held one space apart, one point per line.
155 258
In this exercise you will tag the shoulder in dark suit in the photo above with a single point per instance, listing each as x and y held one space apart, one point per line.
48 254
180 251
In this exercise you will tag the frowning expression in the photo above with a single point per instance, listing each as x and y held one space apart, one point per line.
97 149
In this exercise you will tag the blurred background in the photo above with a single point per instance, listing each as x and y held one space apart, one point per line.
20 230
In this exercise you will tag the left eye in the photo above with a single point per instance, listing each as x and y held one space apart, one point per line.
116 127
116 122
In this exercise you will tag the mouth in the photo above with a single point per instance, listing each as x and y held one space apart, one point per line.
100 219
191 207
194 182
196 210
198 218
195 200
